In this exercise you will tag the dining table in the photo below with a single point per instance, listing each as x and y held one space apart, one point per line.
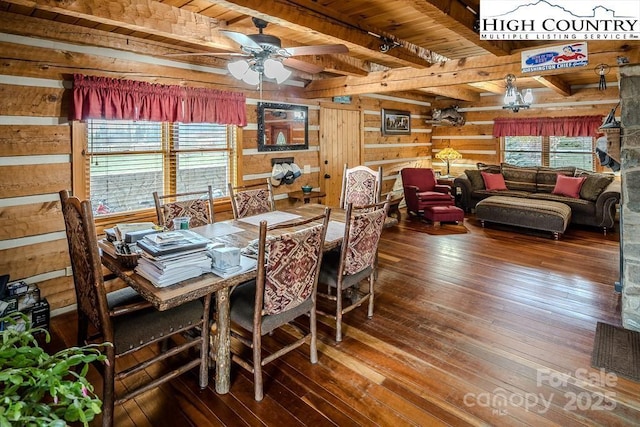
237 233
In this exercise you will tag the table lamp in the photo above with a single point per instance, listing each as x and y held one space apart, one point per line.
447 155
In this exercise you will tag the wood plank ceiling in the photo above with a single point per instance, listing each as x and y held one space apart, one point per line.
435 51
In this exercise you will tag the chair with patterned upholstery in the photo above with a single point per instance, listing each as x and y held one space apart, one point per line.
289 259
122 319
421 190
197 205
342 272
360 186
253 199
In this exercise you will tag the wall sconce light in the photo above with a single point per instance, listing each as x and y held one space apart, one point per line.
513 99
447 155
251 70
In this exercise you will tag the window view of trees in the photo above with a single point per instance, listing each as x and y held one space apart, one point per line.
129 160
554 151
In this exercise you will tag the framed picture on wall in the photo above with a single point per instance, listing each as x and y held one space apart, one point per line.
396 122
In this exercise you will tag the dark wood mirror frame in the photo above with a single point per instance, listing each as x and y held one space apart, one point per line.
282 127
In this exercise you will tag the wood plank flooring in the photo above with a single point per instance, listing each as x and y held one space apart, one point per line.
472 326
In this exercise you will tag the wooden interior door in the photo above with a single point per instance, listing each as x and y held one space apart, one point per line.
340 142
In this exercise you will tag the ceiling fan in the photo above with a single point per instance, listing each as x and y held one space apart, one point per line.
265 55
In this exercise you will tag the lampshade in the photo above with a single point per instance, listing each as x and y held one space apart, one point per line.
249 71
448 154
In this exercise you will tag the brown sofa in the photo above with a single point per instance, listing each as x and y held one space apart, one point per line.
598 196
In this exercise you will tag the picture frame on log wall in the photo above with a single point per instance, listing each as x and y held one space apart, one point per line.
396 122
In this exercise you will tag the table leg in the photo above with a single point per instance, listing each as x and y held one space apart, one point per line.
204 366
223 353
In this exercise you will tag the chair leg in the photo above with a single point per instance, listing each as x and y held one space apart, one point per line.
370 309
313 356
257 366
108 389
338 314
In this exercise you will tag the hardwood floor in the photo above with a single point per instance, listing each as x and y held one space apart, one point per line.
472 326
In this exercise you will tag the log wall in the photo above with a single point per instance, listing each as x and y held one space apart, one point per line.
36 139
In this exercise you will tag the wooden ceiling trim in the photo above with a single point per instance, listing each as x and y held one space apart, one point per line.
454 92
146 16
300 19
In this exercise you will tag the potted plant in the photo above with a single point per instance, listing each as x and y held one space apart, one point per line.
39 389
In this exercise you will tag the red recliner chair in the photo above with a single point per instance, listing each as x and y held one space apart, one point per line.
421 189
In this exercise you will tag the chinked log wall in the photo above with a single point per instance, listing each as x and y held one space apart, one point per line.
475 139
38 59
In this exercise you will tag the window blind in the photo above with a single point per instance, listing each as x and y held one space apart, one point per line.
129 160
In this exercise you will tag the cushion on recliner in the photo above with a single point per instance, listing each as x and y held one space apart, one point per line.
434 195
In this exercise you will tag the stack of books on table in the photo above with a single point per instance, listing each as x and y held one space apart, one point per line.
174 256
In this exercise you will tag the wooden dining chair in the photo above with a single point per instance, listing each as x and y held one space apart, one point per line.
361 186
253 199
289 259
128 326
343 271
197 205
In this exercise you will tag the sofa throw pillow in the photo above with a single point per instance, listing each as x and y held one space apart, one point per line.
475 177
546 178
594 185
493 181
488 168
568 186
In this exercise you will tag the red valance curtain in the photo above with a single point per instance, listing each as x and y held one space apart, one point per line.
548 126
106 98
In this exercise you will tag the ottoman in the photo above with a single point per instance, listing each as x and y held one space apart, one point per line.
438 214
537 214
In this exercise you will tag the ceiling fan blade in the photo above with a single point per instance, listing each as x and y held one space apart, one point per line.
317 50
205 54
241 39
301 65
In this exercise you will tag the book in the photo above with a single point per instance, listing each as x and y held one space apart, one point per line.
171 242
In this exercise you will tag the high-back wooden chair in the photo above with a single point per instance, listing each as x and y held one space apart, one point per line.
253 199
361 186
285 288
342 272
198 205
130 327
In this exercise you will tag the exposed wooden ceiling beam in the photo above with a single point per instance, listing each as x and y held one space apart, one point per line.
454 72
455 92
492 87
338 64
555 83
357 39
456 17
145 16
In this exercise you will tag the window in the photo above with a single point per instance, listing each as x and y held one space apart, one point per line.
551 151
130 160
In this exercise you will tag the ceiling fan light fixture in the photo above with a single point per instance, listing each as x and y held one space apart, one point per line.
251 77
274 69
238 68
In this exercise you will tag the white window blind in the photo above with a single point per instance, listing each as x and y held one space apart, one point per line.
130 160
552 151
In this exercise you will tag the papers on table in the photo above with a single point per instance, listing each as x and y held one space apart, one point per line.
171 242
172 257
275 217
335 231
246 264
217 229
